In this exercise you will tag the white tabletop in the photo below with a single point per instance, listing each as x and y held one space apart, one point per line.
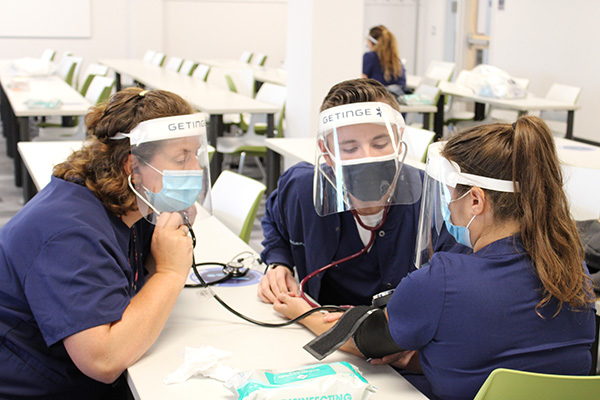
530 103
201 95
197 321
41 88
41 157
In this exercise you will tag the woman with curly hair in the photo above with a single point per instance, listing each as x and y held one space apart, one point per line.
86 283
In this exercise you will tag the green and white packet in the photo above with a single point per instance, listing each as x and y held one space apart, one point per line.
334 381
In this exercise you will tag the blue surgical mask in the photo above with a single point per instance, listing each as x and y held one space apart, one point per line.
460 233
180 189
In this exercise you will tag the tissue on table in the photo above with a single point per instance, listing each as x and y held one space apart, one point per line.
203 361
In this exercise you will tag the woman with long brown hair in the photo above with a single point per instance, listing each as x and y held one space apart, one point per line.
382 61
86 282
523 300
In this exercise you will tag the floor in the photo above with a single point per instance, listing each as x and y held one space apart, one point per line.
11 197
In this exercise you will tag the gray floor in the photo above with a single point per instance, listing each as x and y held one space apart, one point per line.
11 197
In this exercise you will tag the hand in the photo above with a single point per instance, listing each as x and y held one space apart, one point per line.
277 281
172 245
402 359
191 213
291 306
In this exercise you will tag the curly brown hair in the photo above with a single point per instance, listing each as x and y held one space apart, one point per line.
99 165
387 52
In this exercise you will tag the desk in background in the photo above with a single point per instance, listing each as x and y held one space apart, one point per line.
15 113
523 106
202 96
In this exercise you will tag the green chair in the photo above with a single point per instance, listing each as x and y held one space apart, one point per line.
48 54
188 67
94 69
246 56
201 72
508 384
235 202
252 142
259 59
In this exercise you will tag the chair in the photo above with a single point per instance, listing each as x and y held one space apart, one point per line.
158 59
174 64
98 91
149 56
557 120
418 141
241 80
259 59
235 202
510 384
201 72
92 70
48 55
68 69
252 143
246 56
188 67
440 70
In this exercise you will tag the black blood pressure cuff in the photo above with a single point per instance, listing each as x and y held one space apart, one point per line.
368 327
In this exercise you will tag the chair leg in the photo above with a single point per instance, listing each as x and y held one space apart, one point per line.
242 159
261 168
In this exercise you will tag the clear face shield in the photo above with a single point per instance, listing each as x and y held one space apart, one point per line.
359 160
170 166
437 231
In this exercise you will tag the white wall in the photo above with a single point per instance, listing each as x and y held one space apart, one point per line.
548 42
110 36
223 29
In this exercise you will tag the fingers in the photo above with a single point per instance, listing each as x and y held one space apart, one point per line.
276 282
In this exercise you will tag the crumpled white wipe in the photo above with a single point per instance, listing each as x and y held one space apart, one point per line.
205 361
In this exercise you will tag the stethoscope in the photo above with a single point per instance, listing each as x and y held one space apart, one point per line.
208 287
235 268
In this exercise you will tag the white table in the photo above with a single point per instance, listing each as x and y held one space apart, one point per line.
40 158
15 113
205 97
523 106
202 321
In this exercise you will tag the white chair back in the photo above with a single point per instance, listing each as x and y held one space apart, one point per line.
201 71
566 93
259 59
186 67
243 79
48 55
158 59
440 70
272 94
245 56
174 64
557 120
99 83
229 207
417 141
149 56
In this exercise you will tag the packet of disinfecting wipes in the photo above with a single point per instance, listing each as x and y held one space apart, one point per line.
335 381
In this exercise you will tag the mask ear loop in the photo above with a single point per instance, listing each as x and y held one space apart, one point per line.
141 197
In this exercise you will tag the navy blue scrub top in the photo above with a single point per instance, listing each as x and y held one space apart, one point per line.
295 235
470 314
372 69
64 268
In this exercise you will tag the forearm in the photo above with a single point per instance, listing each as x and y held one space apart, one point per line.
104 352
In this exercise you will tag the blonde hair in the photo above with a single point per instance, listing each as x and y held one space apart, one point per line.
525 153
99 165
387 52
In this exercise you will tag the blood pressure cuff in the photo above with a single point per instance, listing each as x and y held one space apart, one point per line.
368 327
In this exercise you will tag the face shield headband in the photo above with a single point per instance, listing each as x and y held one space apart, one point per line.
346 168
184 174
435 223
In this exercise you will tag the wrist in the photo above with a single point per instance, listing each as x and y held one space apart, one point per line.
275 265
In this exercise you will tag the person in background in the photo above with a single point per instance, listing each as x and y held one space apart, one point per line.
358 171
86 280
382 61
